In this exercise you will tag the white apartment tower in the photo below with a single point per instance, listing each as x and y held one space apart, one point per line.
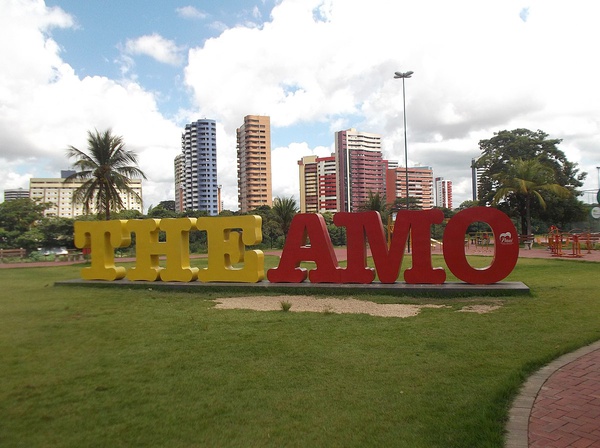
443 193
199 149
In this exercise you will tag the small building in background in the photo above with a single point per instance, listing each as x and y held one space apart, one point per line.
318 184
58 192
443 193
15 193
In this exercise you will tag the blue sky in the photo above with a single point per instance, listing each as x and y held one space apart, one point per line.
97 44
315 66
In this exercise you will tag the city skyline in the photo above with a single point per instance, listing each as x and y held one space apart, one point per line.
145 69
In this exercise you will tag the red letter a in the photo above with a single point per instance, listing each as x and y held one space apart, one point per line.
304 227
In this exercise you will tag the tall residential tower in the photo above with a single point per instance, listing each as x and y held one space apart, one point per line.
360 168
254 163
179 183
199 148
443 192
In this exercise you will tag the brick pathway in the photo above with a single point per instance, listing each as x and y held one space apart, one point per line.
566 412
559 406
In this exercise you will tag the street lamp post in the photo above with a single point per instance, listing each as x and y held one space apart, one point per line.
403 76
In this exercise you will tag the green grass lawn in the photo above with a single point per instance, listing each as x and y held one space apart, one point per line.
111 367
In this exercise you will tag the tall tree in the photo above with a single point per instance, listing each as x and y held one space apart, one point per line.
167 205
20 214
57 232
18 219
376 202
524 181
524 144
284 210
467 204
105 169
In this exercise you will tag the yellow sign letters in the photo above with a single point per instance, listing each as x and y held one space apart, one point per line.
227 241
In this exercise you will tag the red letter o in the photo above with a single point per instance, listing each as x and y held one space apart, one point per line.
506 245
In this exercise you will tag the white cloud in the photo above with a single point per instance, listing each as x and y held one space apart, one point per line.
46 107
189 12
479 68
157 47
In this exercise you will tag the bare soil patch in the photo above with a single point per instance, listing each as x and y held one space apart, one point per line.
333 305
479 309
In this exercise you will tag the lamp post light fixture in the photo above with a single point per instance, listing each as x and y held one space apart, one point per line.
403 76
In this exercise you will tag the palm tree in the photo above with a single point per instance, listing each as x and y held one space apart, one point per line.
105 169
525 180
284 210
376 202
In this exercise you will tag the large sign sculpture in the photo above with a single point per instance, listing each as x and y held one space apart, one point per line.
228 238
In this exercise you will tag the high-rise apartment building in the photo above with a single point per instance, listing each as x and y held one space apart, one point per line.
254 163
420 185
179 166
476 173
318 184
360 168
59 193
443 193
199 149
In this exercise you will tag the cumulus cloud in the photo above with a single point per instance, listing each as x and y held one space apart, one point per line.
156 47
479 68
46 106
190 12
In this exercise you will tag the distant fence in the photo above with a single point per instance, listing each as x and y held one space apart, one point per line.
12 253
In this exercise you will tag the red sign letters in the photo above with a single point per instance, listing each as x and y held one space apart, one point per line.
367 226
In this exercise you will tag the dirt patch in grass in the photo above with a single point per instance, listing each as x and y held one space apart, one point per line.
479 309
333 305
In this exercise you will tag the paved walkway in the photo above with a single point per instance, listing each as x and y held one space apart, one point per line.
559 405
